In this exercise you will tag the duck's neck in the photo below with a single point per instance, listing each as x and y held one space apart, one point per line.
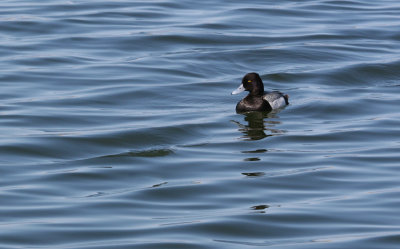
257 91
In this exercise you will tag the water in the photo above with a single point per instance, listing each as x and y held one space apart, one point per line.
118 129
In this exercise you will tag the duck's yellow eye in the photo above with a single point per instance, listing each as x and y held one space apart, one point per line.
249 81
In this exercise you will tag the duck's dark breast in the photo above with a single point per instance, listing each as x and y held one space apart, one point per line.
253 104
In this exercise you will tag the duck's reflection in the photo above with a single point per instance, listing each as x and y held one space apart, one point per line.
259 125
260 208
253 174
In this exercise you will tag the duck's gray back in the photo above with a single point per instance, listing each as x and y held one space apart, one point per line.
272 96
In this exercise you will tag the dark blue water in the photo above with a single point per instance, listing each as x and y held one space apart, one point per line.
118 130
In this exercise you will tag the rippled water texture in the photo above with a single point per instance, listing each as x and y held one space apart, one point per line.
118 130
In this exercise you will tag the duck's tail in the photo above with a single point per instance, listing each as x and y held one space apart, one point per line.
286 97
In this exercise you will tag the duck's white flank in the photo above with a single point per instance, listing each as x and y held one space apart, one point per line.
278 103
275 99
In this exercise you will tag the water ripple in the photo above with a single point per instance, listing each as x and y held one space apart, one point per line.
118 129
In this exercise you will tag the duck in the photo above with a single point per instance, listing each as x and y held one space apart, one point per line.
258 99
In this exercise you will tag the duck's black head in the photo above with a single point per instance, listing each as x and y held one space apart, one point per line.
251 82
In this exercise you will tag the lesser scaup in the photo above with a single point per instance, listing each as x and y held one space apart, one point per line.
257 99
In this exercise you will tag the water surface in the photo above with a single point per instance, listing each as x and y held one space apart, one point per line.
118 129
